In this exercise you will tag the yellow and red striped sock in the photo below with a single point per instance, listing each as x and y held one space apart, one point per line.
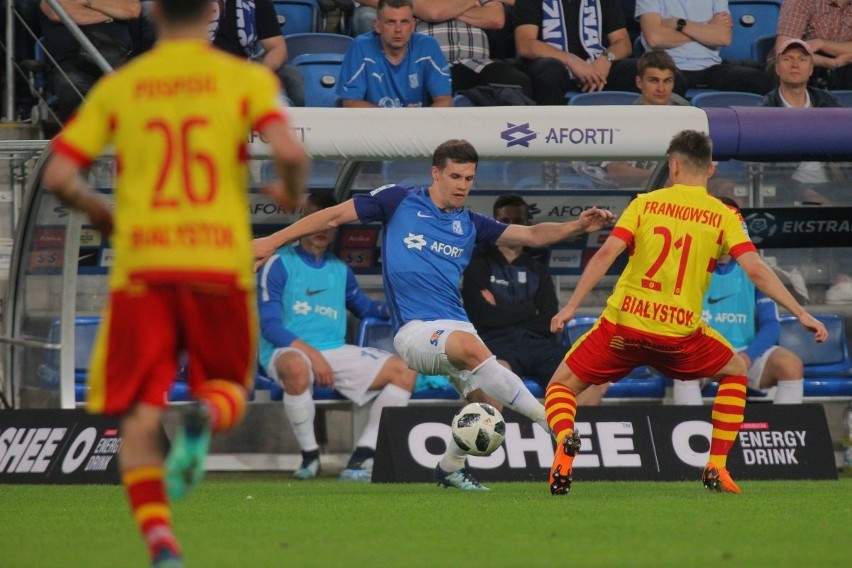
560 407
226 402
150 507
728 408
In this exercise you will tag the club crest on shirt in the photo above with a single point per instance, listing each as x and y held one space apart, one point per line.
457 227
413 81
522 277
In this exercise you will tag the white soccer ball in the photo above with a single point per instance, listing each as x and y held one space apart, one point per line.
478 429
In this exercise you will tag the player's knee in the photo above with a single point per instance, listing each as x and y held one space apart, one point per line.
293 372
399 374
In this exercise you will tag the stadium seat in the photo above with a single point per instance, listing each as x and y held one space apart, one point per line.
828 366
726 99
603 98
532 175
752 19
762 46
321 72
297 16
843 97
318 42
830 358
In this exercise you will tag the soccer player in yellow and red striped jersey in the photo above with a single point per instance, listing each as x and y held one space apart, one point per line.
179 118
674 237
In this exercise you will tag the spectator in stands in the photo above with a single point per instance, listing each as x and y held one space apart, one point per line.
250 30
652 317
794 65
364 16
692 33
107 25
303 294
180 236
509 297
827 27
582 50
655 78
749 321
428 234
460 31
393 66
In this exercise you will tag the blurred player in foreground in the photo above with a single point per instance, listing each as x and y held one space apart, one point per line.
675 236
179 117
429 237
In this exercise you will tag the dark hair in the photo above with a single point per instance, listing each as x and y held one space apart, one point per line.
729 202
694 149
655 59
458 151
320 200
509 200
183 11
394 4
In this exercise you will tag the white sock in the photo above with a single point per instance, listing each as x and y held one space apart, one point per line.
508 388
300 411
789 392
687 393
391 395
453 459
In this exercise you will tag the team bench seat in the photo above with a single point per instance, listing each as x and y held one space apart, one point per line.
827 365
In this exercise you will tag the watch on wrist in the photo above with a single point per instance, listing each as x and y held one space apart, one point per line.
609 56
681 23
89 3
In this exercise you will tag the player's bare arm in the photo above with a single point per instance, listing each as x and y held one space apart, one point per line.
544 234
323 219
592 274
62 177
767 282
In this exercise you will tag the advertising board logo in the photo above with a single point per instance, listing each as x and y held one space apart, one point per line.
518 135
760 226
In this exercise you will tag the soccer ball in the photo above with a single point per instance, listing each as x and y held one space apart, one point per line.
478 429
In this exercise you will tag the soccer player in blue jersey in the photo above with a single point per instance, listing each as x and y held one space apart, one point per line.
303 294
427 243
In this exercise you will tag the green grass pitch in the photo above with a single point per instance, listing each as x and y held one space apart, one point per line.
259 520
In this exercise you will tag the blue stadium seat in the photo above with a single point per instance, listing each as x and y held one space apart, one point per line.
752 19
604 98
726 99
843 97
830 358
321 72
317 42
374 332
762 46
297 16
828 366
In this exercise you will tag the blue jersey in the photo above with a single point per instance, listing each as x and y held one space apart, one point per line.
367 75
424 250
302 297
740 312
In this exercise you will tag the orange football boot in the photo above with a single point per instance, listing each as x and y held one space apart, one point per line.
560 472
